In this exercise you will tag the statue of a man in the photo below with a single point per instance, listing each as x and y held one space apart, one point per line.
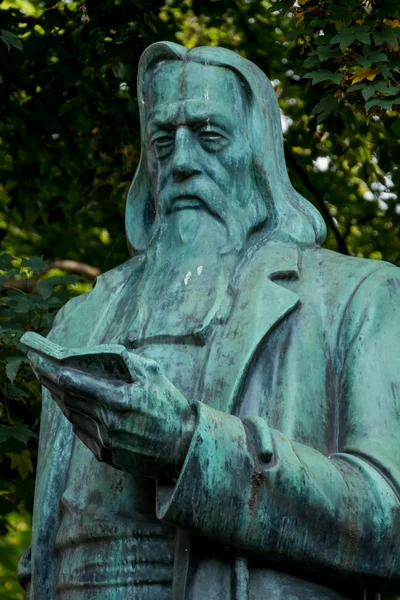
256 455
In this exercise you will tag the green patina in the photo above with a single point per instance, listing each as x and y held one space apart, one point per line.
228 427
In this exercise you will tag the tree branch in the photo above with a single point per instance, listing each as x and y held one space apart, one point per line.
70 266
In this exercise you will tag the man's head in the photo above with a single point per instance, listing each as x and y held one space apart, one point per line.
212 140
197 147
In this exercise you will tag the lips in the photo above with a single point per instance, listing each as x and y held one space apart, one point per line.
184 201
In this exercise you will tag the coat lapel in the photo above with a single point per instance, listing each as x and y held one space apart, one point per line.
261 302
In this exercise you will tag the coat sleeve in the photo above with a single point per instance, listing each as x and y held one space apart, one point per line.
24 571
250 487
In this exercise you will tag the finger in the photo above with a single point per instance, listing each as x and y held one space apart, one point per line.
88 426
70 383
76 382
45 369
67 402
101 391
93 410
53 388
55 392
90 443
142 367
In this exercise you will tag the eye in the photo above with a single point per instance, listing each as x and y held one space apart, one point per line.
163 145
211 135
212 140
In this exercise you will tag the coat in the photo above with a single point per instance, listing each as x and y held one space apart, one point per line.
294 466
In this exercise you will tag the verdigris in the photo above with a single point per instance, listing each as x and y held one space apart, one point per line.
255 452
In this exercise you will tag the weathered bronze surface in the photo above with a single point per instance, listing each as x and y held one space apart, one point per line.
248 448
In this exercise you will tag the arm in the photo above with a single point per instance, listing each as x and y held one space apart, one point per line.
340 512
48 410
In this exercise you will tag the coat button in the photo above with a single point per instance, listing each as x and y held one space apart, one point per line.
132 338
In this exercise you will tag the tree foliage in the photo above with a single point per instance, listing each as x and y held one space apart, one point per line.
353 47
69 145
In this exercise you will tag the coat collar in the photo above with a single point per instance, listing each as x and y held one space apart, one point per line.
260 303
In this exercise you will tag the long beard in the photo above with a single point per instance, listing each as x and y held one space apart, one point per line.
186 233
225 232
185 276
187 224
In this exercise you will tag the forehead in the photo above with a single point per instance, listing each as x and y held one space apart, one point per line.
177 82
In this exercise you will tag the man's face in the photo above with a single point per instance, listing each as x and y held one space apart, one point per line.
199 156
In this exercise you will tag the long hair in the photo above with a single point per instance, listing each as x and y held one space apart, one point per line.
292 219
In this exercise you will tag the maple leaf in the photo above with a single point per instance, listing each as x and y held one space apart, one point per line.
22 462
364 73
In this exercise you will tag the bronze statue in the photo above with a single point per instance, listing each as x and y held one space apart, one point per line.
228 424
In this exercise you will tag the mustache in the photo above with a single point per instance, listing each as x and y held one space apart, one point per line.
198 198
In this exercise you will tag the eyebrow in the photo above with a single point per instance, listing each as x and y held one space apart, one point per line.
165 117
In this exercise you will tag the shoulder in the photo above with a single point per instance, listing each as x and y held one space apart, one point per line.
349 297
88 306
350 292
110 281
344 275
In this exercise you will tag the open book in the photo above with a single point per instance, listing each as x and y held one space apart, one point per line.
105 360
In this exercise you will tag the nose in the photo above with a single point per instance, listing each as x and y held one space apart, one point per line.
184 162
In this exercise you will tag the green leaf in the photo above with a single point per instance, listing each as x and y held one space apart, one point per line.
35 263
21 304
357 86
45 288
326 51
318 76
390 35
327 106
12 366
10 39
371 56
386 104
345 37
296 33
312 60
21 432
22 462
368 91
384 69
6 262
4 433
383 88
362 34
280 5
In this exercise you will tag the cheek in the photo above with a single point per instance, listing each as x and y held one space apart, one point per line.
233 166
158 172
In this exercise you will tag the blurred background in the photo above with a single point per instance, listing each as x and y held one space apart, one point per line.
69 146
